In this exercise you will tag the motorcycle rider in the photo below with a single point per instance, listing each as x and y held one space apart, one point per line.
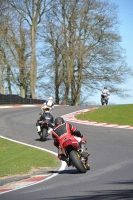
49 103
61 128
105 93
46 115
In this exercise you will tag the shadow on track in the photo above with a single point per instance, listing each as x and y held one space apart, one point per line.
69 171
100 195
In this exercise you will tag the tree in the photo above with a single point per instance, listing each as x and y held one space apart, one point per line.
32 12
3 32
15 53
88 54
81 51
18 45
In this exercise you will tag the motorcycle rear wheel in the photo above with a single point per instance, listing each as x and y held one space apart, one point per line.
43 135
77 162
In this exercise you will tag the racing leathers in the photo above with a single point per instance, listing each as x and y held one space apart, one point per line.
46 116
48 103
64 130
105 93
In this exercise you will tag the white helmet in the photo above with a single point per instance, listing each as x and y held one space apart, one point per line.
50 98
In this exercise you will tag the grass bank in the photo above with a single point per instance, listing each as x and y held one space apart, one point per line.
118 114
20 159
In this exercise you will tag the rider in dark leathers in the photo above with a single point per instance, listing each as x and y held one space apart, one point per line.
48 117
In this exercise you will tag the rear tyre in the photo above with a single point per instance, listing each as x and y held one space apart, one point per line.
43 134
77 162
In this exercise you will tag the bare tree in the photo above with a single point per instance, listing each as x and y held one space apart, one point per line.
18 46
3 32
88 54
81 49
32 12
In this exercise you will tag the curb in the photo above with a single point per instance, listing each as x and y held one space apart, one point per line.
19 182
28 105
71 118
41 175
13 183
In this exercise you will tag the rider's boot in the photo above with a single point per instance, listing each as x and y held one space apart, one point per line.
38 129
84 152
64 158
50 131
88 167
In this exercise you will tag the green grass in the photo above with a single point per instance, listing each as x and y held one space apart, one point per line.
121 115
20 159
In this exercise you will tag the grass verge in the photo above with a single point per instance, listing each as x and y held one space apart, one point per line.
20 159
121 115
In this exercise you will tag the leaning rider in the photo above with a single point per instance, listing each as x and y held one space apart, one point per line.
62 127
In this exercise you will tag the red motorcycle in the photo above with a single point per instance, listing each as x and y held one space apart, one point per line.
74 150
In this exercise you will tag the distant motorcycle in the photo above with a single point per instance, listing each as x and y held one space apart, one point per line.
44 130
71 147
45 123
104 100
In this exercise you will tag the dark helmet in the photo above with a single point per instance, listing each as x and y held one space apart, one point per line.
105 88
59 120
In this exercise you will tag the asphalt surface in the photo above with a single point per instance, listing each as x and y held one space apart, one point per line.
111 160
9 183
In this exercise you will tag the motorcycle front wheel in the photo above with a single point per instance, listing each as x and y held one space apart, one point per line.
77 162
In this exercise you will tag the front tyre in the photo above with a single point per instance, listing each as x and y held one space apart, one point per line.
43 134
77 162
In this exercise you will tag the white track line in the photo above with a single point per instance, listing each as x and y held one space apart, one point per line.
19 186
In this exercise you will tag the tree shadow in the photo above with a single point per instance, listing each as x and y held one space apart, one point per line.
99 195
129 182
126 194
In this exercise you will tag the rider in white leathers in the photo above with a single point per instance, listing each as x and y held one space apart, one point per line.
105 93
48 103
